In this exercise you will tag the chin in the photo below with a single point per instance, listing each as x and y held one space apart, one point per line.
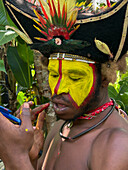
64 117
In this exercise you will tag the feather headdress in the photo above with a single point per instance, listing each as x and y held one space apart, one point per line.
58 20
60 26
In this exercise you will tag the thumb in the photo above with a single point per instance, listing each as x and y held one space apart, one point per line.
25 116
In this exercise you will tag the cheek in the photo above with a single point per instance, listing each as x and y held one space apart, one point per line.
52 83
92 90
81 92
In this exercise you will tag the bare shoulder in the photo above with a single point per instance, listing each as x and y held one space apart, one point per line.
110 150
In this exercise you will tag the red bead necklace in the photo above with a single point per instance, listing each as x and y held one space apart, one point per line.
93 113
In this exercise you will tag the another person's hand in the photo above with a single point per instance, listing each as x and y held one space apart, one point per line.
16 141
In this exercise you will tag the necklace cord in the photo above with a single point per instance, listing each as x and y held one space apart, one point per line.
89 129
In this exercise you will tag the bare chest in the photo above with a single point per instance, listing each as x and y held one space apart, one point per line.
69 154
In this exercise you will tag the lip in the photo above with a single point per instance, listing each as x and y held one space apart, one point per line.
60 106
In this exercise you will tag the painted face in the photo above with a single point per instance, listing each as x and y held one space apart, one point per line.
71 77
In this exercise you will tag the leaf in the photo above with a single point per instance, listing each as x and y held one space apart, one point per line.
123 86
124 98
6 36
21 97
103 47
21 34
25 53
2 67
112 92
3 19
20 69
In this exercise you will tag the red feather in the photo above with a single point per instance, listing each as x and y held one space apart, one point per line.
58 9
51 11
46 16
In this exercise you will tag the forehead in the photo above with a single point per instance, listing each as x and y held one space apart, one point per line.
67 65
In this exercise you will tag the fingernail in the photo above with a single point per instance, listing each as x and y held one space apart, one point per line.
30 102
47 104
26 105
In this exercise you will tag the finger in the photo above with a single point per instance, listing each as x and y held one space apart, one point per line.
17 113
31 103
25 116
39 109
40 120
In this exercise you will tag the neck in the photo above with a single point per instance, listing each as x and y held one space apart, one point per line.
88 122
90 128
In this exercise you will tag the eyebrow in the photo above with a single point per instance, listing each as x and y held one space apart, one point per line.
80 72
52 70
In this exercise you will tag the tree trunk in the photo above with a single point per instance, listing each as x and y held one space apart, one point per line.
41 70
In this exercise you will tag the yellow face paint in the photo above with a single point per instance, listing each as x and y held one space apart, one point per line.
73 77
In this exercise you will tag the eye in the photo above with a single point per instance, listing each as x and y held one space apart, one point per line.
75 78
53 74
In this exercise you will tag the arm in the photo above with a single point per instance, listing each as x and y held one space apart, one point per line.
110 150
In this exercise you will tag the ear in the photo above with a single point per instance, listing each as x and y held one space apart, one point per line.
104 82
108 72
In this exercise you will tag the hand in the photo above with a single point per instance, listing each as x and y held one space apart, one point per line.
35 112
16 141
38 133
38 140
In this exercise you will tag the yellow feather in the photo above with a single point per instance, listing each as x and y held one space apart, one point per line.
103 47
70 7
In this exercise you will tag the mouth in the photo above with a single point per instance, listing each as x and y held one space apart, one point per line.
58 107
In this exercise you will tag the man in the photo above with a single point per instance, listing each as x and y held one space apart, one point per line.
92 135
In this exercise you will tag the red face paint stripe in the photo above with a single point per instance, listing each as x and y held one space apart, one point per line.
60 77
92 89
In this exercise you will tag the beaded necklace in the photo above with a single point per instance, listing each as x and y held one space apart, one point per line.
93 113
89 129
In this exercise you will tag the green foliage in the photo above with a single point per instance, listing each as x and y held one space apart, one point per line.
2 68
6 36
25 52
20 69
20 56
119 91
3 19
21 98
